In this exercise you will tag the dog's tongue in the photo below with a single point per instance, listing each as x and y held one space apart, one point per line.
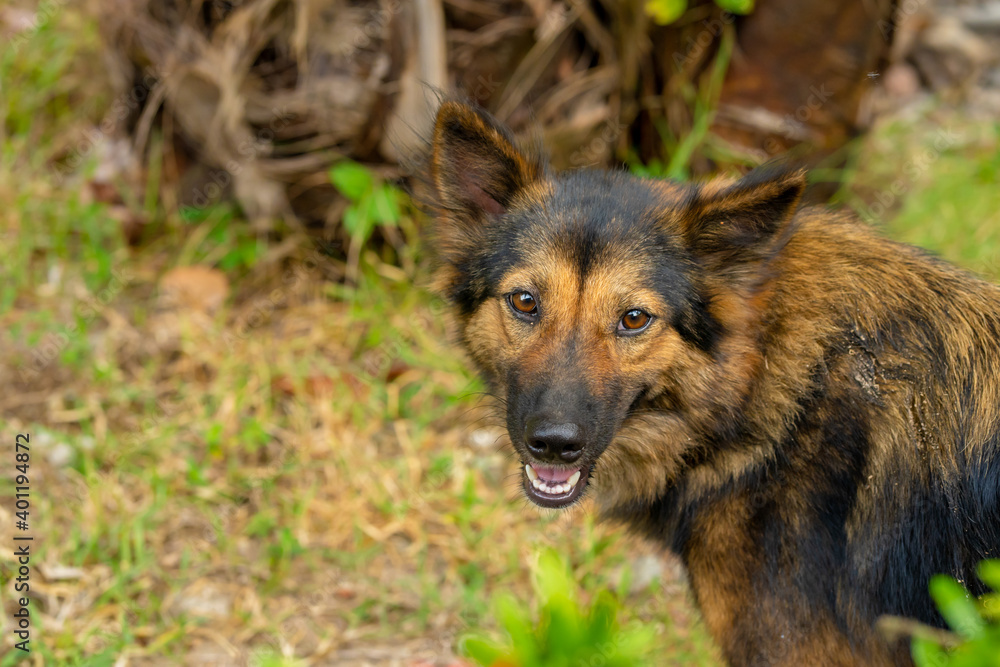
556 475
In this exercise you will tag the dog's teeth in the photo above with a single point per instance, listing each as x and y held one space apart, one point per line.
551 488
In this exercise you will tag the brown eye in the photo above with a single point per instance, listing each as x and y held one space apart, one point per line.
523 303
634 320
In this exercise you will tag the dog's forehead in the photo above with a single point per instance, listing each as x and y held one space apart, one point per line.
597 215
601 207
591 234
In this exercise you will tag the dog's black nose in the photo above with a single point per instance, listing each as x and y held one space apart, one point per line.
552 441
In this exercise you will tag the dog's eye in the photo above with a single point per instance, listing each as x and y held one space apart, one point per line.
523 303
634 321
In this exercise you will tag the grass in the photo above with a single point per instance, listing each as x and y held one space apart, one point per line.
309 475
931 181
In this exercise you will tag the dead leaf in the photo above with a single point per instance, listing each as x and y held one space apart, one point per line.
197 288
396 368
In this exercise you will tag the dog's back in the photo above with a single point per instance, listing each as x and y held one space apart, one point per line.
865 456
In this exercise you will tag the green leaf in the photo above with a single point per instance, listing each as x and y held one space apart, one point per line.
385 201
989 572
928 654
704 111
633 646
563 635
352 220
359 220
514 620
352 179
552 577
482 650
956 605
665 12
603 616
990 605
736 6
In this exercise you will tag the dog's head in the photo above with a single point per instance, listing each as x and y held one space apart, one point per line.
607 310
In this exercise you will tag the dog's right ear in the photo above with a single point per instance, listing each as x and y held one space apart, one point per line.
475 167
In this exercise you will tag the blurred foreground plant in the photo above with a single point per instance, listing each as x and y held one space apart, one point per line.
975 624
563 633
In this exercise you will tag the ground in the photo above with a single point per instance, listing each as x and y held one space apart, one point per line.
265 465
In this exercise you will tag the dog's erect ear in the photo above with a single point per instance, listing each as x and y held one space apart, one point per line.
475 166
736 223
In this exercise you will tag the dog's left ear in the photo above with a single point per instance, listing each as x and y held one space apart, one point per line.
475 167
736 224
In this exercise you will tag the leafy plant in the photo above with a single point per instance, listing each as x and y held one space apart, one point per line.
975 624
214 239
373 202
704 102
665 12
565 633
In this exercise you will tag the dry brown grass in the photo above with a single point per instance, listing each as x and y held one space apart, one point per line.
305 472
268 94
227 490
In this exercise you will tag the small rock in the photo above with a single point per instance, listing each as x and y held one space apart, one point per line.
484 438
61 572
61 455
204 601
645 570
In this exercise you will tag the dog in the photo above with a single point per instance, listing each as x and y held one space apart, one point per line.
806 413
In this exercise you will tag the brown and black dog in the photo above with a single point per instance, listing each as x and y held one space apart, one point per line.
807 413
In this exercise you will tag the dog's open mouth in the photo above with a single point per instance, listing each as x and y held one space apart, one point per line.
554 487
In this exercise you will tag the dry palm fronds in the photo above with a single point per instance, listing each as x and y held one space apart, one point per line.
264 95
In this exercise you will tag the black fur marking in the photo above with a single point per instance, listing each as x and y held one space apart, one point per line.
696 325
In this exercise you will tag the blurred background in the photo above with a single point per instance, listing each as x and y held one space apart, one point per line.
253 442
